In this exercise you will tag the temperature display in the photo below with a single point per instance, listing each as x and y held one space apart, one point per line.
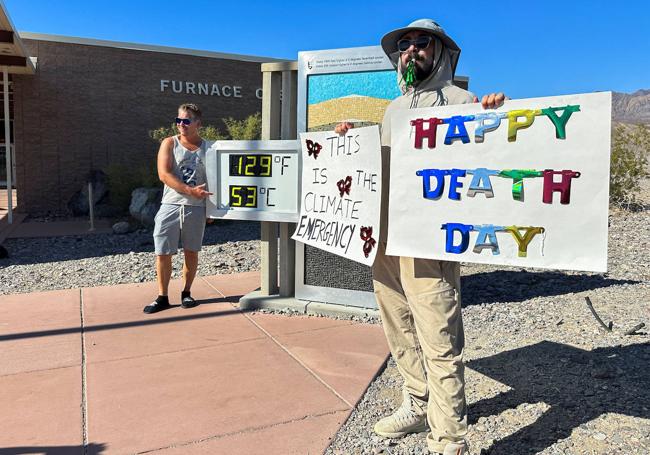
253 180
250 165
243 196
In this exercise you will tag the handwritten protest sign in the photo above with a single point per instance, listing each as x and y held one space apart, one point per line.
341 193
525 185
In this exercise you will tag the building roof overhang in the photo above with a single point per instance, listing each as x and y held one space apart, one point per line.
13 54
146 47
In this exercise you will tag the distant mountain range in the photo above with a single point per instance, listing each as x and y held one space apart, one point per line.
631 108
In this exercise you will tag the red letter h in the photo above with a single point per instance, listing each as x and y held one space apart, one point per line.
429 133
563 187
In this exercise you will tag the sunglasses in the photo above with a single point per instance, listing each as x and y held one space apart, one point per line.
421 42
184 121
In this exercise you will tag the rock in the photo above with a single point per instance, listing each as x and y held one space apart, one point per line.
145 203
121 228
78 203
603 372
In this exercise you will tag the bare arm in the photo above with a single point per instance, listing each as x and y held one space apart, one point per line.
165 166
492 101
343 127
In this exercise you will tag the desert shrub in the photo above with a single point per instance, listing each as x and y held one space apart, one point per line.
123 179
629 164
211 133
161 133
249 128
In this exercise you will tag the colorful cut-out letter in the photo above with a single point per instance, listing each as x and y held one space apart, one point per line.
518 176
487 238
457 129
426 175
429 133
454 184
523 241
563 187
464 230
481 182
560 122
482 127
514 124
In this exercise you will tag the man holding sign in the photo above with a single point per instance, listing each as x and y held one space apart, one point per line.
419 299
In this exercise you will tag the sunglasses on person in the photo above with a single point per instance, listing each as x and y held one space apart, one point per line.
421 42
184 121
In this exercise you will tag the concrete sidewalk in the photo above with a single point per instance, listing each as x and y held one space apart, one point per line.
85 371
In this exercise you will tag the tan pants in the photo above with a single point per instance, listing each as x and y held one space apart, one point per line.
419 303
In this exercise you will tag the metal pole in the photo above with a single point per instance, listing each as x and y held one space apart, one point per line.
91 206
10 203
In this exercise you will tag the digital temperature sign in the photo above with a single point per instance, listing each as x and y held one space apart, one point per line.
243 196
242 165
254 180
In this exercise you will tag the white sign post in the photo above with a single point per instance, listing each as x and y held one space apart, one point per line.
525 185
341 193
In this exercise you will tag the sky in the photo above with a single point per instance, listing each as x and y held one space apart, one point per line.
522 48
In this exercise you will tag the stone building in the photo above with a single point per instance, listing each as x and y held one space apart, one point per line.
91 103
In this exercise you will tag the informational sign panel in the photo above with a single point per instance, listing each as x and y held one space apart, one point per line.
341 193
525 185
253 180
344 84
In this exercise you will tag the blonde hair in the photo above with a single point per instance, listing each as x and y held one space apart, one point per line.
191 107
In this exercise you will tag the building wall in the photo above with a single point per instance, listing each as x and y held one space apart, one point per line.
89 106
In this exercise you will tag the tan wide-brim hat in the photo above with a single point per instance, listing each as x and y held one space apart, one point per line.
389 41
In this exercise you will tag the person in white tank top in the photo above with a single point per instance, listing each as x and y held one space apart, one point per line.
181 167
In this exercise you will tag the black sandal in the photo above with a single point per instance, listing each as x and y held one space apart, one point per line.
155 307
188 302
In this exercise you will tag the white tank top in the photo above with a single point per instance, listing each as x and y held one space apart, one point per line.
189 168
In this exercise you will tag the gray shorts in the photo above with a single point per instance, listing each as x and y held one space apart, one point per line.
174 222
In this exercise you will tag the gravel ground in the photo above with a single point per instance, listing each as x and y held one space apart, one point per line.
42 264
543 376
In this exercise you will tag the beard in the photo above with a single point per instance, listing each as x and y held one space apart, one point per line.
421 66
422 70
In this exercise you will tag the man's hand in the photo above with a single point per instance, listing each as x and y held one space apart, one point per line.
343 128
492 101
199 192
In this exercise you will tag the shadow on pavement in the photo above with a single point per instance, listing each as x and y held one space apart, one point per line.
125 325
577 385
56 450
520 285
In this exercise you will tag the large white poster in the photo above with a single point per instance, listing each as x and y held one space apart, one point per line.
341 193
526 184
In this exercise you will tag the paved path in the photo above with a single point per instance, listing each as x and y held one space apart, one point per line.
85 371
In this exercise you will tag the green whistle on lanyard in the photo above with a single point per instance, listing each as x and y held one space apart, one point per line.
409 75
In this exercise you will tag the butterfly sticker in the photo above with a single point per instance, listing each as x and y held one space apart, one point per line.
366 236
313 148
344 185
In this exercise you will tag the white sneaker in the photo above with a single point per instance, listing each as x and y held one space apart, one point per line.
409 418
